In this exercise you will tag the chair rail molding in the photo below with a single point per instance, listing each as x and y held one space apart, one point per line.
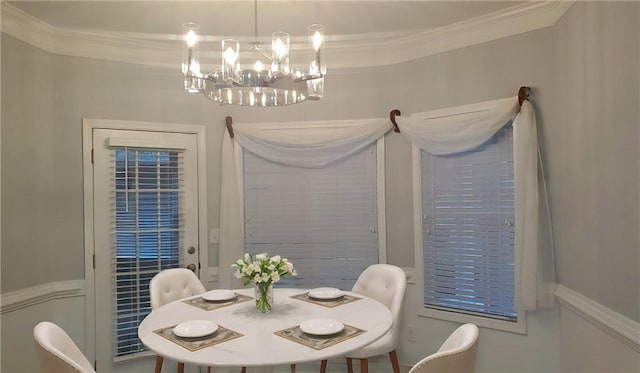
27 297
613 323
345 52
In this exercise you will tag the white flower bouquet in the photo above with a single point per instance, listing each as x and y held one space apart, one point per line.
264 271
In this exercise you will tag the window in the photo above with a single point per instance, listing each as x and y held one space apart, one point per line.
468 230
147 230
325 220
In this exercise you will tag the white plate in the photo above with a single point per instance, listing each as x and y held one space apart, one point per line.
321 326
326 293
195 328
219 295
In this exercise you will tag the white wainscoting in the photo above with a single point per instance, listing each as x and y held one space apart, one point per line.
61 302
613 323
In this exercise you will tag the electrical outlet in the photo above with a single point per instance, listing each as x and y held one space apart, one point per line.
214 235
412 333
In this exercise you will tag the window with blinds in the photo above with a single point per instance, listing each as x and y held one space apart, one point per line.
147 193
323 219
468 230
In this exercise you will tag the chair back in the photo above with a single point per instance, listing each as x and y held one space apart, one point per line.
173 284
456 355
57 351
387 284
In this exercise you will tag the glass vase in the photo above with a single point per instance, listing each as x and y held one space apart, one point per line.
264 296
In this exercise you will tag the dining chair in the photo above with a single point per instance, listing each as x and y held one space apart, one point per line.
57 351
387 284
169 285
456 355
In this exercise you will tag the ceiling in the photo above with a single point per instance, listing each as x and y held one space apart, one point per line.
357 31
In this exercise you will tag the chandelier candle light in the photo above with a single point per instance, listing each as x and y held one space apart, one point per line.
257 84
263 271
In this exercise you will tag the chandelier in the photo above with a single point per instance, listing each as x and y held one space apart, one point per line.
262 80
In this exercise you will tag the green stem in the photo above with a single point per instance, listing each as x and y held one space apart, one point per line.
263 299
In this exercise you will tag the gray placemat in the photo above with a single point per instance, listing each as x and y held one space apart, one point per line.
319 342
194 344
326 302
209 306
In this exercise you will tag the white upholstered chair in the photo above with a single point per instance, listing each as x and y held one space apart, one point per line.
456 355
57 351
169 285
385 283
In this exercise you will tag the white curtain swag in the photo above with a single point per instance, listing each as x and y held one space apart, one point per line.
458 131
309 144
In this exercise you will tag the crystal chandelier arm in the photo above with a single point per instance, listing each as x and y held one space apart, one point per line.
256 46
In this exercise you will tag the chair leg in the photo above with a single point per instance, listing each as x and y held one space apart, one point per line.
180 367
293 368
208 369
394 361
244 370
323 366
364 366
349 365
159 360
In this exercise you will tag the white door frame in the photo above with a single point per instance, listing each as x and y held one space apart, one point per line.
88 125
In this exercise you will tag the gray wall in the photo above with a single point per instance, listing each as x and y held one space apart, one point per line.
592 152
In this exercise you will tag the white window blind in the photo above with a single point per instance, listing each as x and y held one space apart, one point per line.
468 229
148 229
323 219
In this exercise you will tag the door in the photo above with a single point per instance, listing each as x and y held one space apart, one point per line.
145 220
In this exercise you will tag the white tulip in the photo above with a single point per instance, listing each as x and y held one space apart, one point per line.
275 276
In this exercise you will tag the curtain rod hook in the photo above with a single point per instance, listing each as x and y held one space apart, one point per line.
229 123
523 94
392 117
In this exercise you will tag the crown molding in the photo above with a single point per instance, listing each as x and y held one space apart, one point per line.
343 51
613 323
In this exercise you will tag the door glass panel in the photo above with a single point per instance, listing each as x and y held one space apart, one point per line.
148 230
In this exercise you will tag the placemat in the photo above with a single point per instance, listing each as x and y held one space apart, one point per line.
208 306
194 344
318 342
326 302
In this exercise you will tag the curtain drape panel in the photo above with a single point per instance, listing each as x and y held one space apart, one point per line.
465 129
308 144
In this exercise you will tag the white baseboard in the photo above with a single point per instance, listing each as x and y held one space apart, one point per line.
613 323
26 297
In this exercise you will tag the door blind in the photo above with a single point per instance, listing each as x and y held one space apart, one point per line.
147 193
468 229
323 219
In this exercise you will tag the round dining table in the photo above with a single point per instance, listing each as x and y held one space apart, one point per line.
259 345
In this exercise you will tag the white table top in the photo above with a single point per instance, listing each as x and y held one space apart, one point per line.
260 346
